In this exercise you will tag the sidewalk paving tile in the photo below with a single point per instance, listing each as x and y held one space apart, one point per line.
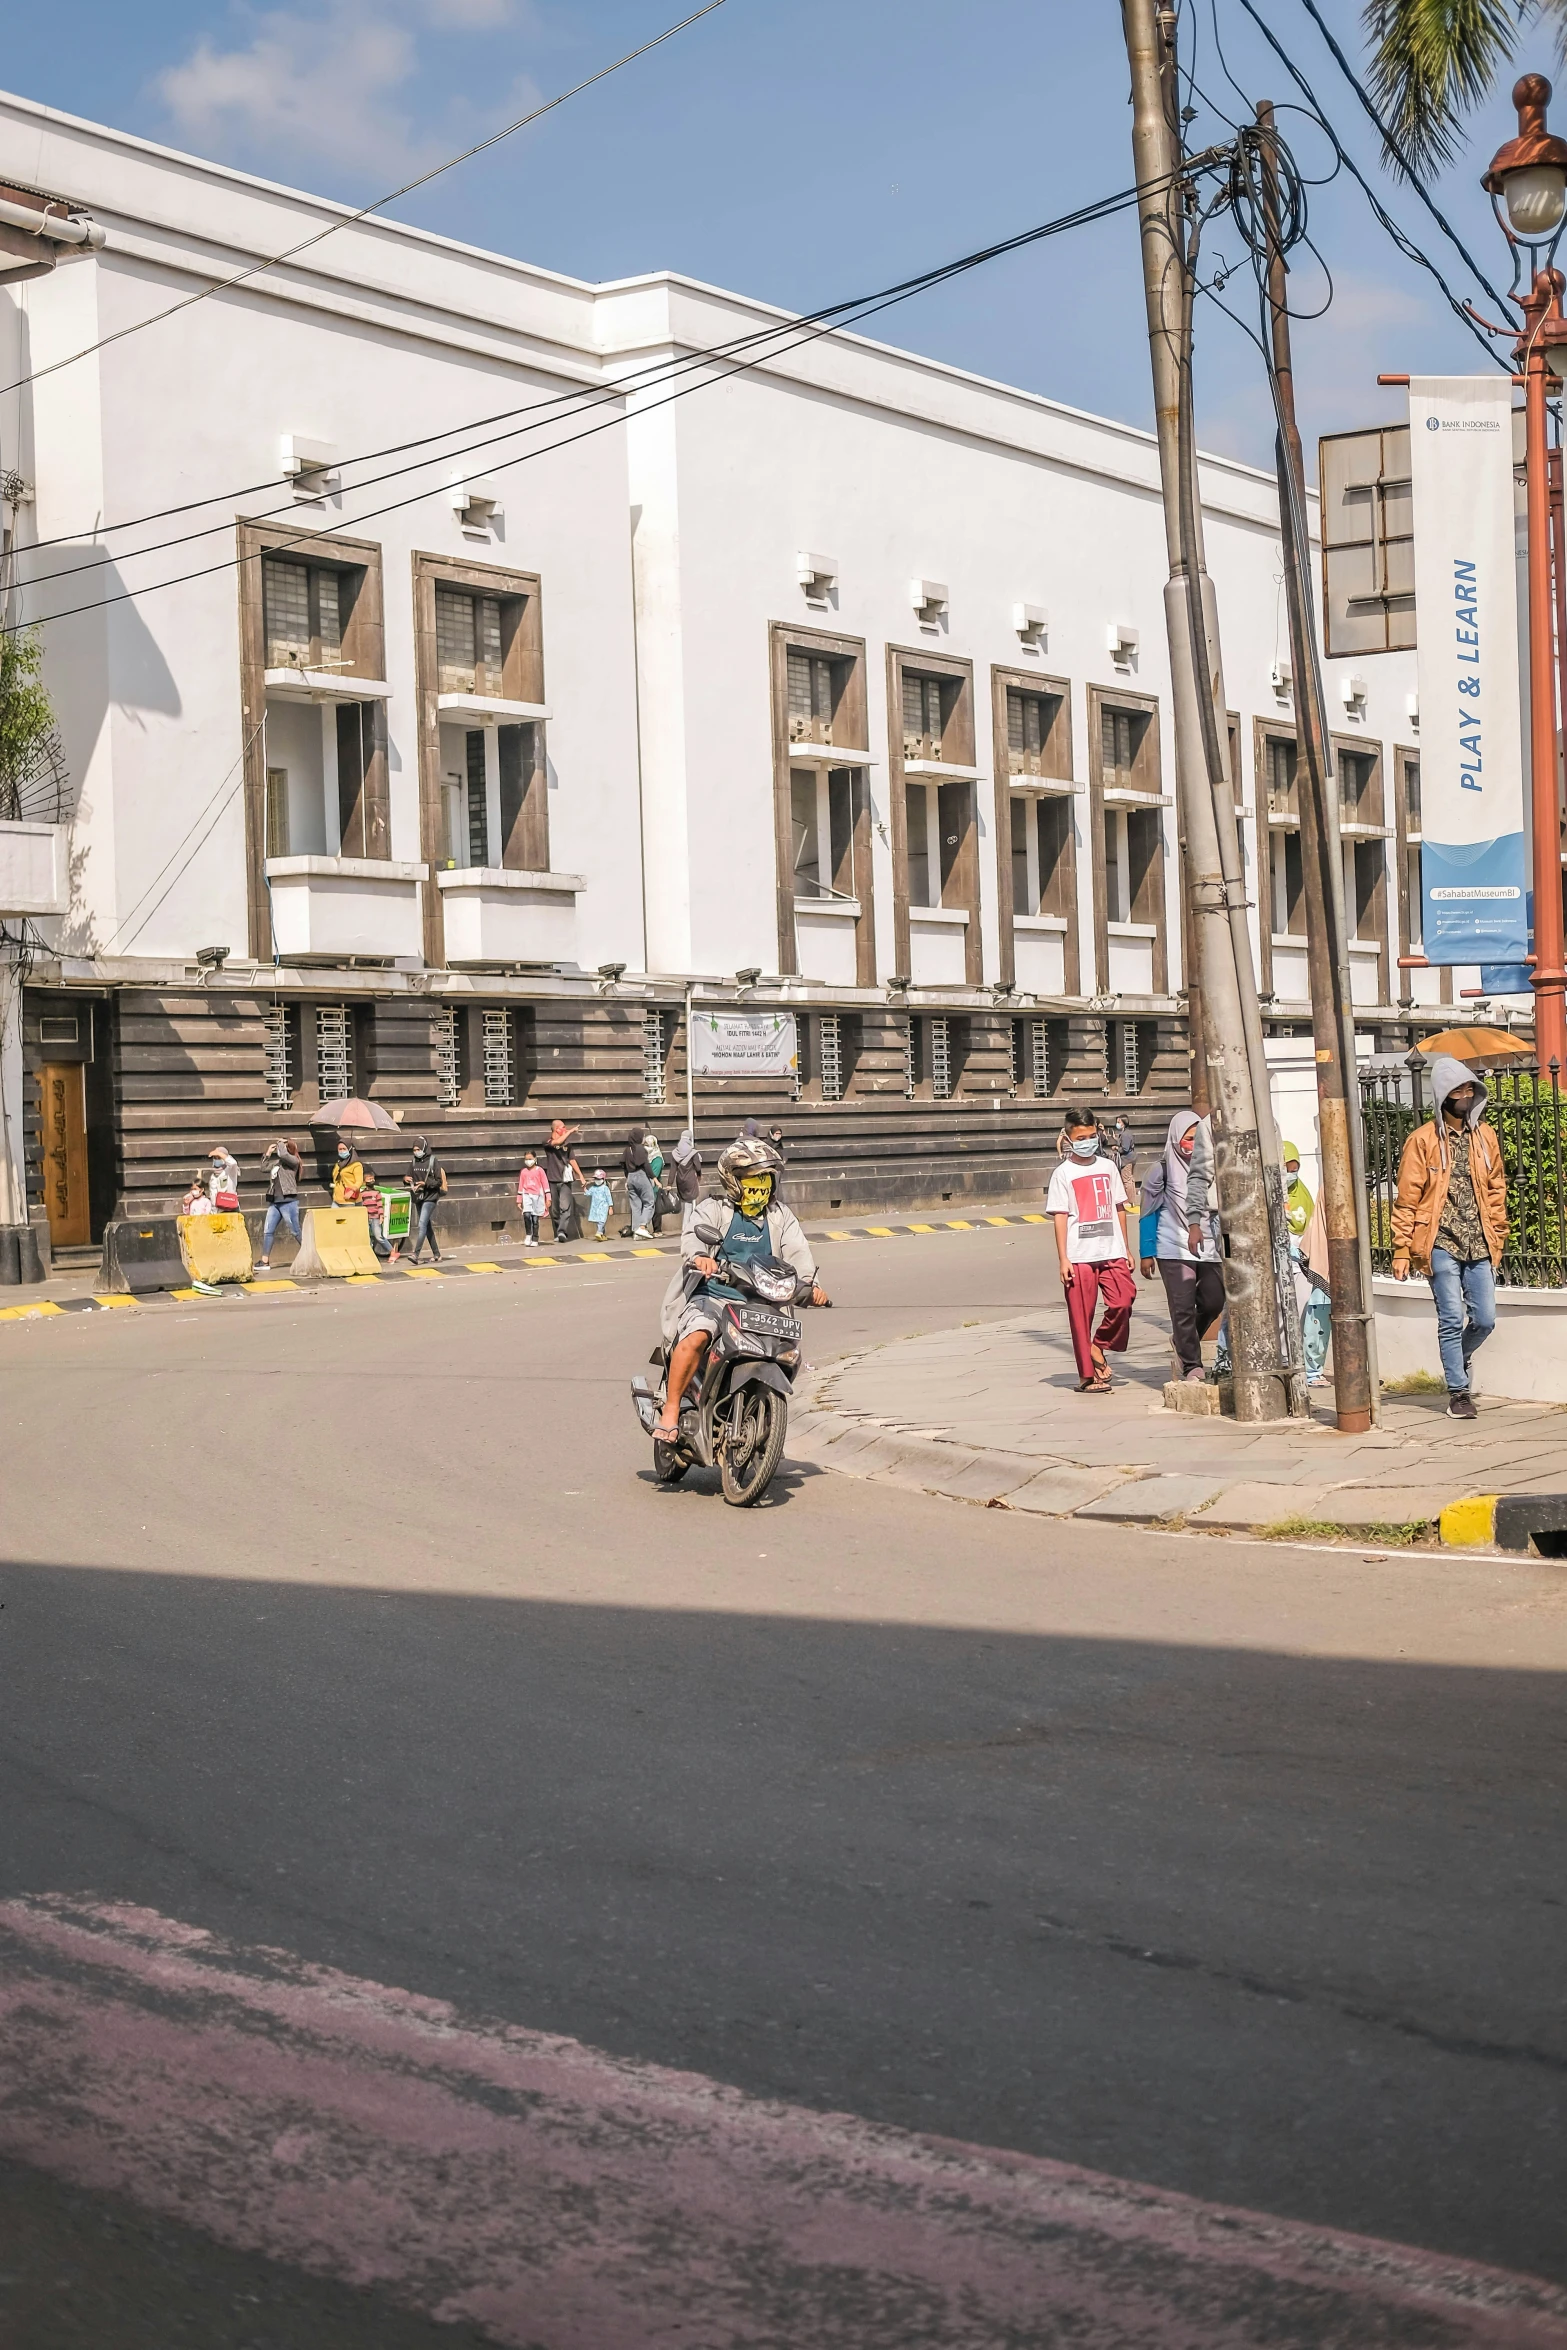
983 1476
1057 1492
1152 1498
1392 1505
1266 1505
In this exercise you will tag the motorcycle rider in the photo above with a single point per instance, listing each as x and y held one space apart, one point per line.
745 1223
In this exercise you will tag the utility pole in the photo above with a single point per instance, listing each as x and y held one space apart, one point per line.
1264 1330
1341 1140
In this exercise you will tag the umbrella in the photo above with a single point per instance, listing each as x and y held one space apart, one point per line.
352 1112
1479 1044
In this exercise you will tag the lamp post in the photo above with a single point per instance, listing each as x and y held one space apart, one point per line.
1527 184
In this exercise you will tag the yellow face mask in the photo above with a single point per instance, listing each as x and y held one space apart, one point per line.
756 1193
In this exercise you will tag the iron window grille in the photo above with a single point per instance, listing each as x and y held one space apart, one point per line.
657 1039
911 1058
499 1036
941 1059
281 1026
1047 1071
334 1051
448 1057
829 1055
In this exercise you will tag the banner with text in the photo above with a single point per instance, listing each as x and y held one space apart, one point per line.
744 1044
1474 859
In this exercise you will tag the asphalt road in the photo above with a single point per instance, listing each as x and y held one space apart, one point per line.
352 1624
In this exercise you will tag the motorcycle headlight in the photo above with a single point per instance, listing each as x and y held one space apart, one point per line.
778 1288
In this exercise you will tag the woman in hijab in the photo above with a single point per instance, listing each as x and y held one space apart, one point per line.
688 1169
1193 1280
560 1165
639 1184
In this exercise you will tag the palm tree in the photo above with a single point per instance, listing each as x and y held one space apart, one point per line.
1434 60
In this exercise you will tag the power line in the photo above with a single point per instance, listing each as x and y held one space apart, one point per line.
1405 243
317 236
816 324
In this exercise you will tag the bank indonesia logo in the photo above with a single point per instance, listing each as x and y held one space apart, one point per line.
1433 424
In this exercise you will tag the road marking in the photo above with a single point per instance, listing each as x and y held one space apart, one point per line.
264 1288
958 1225
422 1273
604 1256
880 1231
995 1219
103 1304
922 1227
381 2136
477 1267
649 1252
1033 1219
45 1305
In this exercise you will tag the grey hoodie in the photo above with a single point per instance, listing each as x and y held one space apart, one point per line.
1446 1073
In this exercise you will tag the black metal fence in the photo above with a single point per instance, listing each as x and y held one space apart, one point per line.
1529 1113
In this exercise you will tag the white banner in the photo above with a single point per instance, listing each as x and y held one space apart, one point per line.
1474 865
744 1044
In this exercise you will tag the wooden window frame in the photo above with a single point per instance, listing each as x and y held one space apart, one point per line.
526 847
851 724
1359 748
1263 732
961 887
1150 762
1402 753
1003 681
364 655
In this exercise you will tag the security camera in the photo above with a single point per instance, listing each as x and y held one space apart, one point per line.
749 976
612 971
212 958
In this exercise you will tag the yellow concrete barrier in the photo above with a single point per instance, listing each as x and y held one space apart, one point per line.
336 1242
215 1248
1471 1523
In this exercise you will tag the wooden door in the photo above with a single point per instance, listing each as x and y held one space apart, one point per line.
63 1088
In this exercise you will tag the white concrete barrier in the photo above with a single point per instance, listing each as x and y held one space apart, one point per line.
1524 1359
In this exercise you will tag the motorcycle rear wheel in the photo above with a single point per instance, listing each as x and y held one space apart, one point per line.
745 1474
669 1466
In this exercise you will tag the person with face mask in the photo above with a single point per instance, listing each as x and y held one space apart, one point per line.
744 1222
1086 1202
1179 1237
426 1183
348 1176
1450 1221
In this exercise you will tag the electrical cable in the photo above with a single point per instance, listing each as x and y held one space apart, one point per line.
365 211
1405 244
581 396
866 307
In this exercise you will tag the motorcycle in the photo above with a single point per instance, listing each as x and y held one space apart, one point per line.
735 1413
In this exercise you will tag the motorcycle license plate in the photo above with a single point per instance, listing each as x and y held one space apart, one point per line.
774 1325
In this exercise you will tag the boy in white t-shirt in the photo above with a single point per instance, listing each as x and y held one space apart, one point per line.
1086 1201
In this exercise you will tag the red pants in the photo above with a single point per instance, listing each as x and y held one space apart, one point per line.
1111 1284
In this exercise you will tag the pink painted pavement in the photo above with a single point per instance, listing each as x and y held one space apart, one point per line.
560 2199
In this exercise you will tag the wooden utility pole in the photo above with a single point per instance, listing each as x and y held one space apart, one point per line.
1322 878
1264 1329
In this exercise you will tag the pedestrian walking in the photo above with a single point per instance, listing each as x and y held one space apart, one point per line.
347 1176
1300 1214
600 1202
687 1161
1450 1220
1086 1201
282 1196
1181 1244
533 1198
426 1185
638 1169
565 1179
1123 1148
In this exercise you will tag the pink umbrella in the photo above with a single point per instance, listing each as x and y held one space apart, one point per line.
352 1112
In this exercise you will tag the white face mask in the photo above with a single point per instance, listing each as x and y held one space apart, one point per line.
1085 1146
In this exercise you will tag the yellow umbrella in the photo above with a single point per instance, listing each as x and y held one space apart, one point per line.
1479 1044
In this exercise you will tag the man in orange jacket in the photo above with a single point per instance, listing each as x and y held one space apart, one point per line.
1450 1221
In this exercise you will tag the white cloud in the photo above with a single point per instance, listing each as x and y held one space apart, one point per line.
325 88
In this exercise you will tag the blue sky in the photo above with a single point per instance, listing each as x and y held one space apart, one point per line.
802 152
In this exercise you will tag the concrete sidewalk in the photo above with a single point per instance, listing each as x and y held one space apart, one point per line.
991 1414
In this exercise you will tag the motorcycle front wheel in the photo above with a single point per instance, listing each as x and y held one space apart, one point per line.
746 1462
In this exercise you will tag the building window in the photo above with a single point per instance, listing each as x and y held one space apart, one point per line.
1359 786
451 1056
281 1029
1123 736
1414 897
334 1052
470 640
941 1059
477 796
815 684
1289 891
829 1055
1130 1048
658 1031
936 819
1280 761
498 1032
1363 865
1041 864
1030 719
277 811
1133 840
821 805
928 705
302 614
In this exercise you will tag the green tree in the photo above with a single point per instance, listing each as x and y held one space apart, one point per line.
30 763
1432 61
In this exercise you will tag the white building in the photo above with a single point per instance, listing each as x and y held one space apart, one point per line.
413 646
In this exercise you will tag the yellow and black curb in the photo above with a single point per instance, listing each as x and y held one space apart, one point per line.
1534 1522
531 1261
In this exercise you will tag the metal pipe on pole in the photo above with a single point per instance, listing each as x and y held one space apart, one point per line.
1341 1141
1264 1331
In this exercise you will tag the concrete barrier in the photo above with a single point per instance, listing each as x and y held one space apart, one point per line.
336 1243
1524 1360
216 1248
141 1254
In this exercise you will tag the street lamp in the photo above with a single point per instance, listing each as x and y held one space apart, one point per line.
1528 182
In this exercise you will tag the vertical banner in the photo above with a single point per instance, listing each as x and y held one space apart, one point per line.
1474 859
